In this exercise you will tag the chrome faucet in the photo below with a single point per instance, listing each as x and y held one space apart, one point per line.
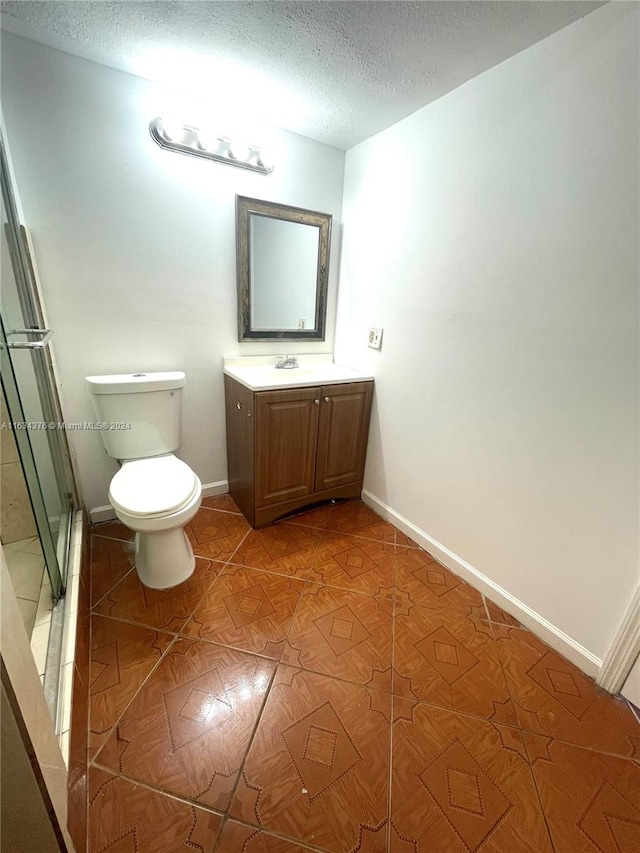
286 362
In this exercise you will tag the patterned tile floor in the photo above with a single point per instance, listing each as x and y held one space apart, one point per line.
325 685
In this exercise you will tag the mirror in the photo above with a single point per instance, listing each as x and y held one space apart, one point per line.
282 268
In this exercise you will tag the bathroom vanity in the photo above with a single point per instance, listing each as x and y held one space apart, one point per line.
294 437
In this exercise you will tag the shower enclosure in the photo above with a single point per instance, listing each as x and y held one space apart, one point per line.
34 418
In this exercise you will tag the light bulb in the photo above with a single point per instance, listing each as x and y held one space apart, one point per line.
208 139
265 160
239 151
173 131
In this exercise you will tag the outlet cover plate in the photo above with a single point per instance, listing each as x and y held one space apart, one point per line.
375 338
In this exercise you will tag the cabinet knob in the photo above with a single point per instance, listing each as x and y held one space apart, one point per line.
317 402
326 399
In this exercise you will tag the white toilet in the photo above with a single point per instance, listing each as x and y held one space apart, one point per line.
154 492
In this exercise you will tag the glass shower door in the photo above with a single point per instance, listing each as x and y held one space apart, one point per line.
29 390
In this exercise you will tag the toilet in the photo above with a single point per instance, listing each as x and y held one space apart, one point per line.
154 493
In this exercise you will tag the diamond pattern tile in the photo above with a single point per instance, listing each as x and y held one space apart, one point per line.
599 809
444 660
342 629
428 584
159 608
451 659
122 656
126 818
360 565
473 804
321 749
189 727
342 634
460 783
324 686
499 616
318 768
282 548
552 697
570 688
195 708
216 535
247 609
249 605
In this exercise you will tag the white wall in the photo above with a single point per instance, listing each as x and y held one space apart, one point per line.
136 245
494 235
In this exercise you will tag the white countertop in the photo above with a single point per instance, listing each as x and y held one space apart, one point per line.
258 373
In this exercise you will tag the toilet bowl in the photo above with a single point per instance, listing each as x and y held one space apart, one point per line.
154 493
156 497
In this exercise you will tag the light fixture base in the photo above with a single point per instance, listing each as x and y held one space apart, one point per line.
191 145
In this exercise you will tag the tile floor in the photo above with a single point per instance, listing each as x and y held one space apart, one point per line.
325 685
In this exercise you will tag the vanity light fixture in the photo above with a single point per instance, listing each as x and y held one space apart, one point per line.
203 143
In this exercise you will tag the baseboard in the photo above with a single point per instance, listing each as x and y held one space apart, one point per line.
106 513
557 639
624 649
211 489
101 513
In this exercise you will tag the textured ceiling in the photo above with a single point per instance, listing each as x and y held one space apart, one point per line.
337 72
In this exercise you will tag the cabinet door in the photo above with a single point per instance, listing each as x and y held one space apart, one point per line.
239 419
343 433
286 435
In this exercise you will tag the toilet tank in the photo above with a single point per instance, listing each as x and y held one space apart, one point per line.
147 404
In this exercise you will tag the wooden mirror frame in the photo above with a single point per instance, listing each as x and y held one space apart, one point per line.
245 207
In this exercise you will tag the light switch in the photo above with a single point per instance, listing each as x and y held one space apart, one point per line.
375 338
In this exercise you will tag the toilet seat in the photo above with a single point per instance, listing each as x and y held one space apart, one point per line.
153 487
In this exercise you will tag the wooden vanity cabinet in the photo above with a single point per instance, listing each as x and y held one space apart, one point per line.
293 447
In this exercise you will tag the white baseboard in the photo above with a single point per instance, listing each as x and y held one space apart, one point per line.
557 639
211 489
106 513
101 513
624 649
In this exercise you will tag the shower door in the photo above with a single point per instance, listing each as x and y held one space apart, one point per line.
31 397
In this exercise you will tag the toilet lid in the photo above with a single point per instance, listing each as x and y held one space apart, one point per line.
157 486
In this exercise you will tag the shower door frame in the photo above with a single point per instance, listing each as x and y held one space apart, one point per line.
44 371
57 555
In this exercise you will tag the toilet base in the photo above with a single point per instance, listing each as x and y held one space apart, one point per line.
164 558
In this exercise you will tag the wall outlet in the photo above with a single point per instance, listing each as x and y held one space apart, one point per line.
375 338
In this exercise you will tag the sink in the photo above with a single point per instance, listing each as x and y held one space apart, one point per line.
294 374
265 377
